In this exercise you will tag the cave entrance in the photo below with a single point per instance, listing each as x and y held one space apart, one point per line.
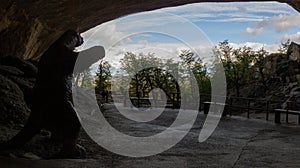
151 50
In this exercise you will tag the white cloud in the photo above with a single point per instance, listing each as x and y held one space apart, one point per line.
161 50
242 12
254 31
293 37
172 50
281 23
271 48
110 33
148 19
261 7
105 35
284 22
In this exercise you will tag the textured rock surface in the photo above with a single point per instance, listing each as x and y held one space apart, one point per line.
27 28
295 52
12 104
17 78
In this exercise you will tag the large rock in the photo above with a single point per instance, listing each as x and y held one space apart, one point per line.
27 28
21 72
10 70
17 78
13 108
28 68
26 86
294 50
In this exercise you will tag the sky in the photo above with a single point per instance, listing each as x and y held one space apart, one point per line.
197 27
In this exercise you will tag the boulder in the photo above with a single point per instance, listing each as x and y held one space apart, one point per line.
26 67
13 108
24 80
10 70
26 86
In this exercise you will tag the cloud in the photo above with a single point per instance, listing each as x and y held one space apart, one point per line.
293 37
281 23
108 34
148 19
284 22
172 50
105 35
254 31
257 7
271 48
161 50
238 12
112 32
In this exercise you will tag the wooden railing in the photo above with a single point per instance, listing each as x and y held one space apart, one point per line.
234 105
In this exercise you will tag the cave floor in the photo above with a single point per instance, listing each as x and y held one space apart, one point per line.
237 142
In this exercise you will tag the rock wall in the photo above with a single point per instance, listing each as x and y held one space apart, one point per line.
17 79
284 67
295 52
28 27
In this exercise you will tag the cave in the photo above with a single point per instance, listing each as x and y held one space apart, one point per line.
27 28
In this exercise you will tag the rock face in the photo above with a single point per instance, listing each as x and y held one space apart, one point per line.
295 52
17 79
27 28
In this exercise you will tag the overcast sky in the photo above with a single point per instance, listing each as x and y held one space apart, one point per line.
197 27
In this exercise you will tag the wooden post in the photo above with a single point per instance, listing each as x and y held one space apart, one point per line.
125 96
287 112
206 107
230 106
277 117
267 114
178 103
138 100
248 106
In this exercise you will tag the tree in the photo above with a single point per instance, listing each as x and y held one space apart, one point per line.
284 47
197 69
259 66
149 72
84 79
237 64
103 79
131 63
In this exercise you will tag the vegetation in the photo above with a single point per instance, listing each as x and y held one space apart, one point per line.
244 68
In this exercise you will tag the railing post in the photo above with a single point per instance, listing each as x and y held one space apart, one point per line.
230 106
177 99
206 108
287 112
267 114
125 98
248 111
138 99
277 117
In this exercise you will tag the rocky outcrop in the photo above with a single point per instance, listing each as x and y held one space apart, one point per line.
294 50
282 79
17 79
27 28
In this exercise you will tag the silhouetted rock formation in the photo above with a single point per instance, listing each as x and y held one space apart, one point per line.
17 78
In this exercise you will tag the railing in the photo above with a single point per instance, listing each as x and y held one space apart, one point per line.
263 105
233 105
